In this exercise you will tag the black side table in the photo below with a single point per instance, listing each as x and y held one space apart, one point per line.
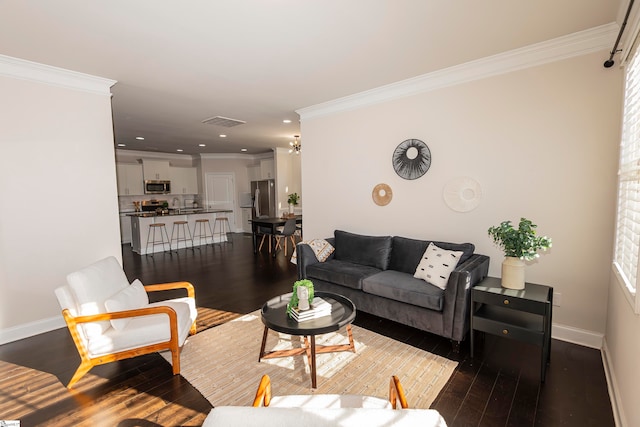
523 315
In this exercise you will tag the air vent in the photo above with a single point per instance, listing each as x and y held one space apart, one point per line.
223 121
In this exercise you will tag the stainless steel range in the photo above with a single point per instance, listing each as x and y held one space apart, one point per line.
152 205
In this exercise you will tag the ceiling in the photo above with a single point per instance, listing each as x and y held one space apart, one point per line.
178 63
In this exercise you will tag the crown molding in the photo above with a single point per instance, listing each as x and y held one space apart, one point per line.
32 71
569 46
218 156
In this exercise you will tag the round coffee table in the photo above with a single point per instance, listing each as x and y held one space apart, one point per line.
274 316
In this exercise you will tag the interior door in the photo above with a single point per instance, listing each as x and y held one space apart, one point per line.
220 194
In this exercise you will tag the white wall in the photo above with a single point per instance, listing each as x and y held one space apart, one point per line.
59 196
542 142
288 179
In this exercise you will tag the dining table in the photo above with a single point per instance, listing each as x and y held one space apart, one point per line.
268 225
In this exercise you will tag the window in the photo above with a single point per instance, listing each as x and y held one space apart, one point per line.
627 247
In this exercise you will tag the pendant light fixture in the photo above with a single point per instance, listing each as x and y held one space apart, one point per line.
295 145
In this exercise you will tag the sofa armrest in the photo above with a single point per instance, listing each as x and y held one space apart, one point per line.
306 256
457 295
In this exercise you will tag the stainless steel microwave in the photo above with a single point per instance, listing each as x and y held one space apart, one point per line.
157 187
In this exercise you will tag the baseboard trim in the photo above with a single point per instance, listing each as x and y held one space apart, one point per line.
30 329
612 386
577 336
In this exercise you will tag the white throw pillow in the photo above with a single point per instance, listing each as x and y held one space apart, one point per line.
129 298
436 265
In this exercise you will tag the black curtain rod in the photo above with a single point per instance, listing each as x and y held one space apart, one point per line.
609 63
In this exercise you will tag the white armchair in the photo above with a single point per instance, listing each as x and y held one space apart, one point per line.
110 319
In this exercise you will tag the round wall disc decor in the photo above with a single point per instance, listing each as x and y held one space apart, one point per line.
462 194
411 159
382 194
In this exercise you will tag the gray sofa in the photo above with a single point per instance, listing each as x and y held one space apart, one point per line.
376 273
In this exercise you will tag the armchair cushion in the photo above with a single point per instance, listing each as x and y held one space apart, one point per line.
129 298
145 330
92 286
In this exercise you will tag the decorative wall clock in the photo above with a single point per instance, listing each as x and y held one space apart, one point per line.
411 159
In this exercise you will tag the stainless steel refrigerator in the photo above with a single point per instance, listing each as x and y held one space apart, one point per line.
263 194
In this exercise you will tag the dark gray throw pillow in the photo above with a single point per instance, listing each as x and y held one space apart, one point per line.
373 251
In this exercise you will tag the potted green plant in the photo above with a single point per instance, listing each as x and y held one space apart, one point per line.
293 201
295 300
519 245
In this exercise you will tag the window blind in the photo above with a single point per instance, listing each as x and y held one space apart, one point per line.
627 249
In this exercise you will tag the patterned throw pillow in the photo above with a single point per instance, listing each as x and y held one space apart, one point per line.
436 265
320 247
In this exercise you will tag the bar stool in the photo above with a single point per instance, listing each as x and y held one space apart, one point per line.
185 230
223 229
200 230
160 227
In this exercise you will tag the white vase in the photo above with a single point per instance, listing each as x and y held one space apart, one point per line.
291 206
513 273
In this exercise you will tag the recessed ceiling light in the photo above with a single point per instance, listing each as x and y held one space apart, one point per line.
243 149
140 138
202 145
180 149
286 121
223 135
122 145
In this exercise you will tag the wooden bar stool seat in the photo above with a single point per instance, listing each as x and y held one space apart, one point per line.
200 231
161 227
186 234
222 228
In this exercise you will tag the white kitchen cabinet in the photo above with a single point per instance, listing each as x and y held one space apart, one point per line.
246 220
125 228
130 181
267 169
184 180
156 170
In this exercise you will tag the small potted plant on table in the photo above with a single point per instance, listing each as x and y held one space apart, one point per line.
293 202
519 245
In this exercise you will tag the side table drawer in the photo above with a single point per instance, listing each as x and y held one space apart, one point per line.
509 302
511 324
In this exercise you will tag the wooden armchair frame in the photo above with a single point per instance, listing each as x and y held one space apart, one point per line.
396 393
87 362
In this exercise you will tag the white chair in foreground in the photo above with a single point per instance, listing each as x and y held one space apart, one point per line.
265 398
110 319
320 410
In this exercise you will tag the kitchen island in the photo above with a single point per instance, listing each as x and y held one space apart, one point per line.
140 222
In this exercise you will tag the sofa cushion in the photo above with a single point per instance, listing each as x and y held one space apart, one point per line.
407 253
340 273
436 265
129 298
92 286
373 251
405 288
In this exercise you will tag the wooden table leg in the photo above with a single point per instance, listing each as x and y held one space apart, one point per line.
264 343
313 362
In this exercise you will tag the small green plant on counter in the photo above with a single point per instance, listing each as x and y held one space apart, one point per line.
293 302
293 199
522 242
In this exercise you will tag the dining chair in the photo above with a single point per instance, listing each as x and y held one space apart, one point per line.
287 233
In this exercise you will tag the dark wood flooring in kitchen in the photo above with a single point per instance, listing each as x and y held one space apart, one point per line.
500 388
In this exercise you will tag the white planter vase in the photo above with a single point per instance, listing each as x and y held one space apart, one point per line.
513 273
291 208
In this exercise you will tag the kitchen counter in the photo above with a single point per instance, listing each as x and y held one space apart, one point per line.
140 222
174 212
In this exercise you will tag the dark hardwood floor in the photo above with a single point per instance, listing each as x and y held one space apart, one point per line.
499 388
